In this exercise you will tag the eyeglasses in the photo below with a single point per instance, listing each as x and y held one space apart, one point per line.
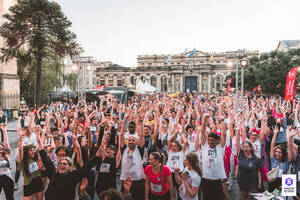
63 163
254 135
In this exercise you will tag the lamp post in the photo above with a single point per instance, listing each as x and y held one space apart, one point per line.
239 62
80 67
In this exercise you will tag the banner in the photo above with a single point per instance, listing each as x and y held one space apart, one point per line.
228 86
290 84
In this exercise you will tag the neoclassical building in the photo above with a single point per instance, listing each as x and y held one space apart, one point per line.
201 72
9 80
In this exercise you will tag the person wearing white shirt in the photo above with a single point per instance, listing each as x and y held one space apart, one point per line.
212 161
190 178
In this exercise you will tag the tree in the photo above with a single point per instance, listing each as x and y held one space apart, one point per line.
36 30
269 71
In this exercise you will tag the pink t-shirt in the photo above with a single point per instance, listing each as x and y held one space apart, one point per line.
158 182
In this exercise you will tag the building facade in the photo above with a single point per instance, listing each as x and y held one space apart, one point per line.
194 71
9 80
286 45
85 67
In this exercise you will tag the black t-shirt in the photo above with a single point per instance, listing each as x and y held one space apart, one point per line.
107 174
3 119
248 171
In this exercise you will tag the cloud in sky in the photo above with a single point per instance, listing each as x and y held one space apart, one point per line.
119 30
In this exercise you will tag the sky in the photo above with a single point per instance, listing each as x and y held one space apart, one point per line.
120 30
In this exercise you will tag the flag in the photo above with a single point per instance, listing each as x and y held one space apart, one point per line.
168 59
193 52
290 84
228 86
185 52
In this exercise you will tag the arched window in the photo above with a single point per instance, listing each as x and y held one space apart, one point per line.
164 84
219 81
153 81
143 79
133 80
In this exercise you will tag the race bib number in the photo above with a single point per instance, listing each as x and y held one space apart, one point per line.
280 173
93 128
33 167
130 160
156 188
104 168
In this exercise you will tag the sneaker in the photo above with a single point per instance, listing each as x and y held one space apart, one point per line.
229 187
16 186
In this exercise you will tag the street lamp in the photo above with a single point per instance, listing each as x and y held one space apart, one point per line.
80 68
243 64
239 62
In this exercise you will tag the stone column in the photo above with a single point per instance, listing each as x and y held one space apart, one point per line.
106 80
158 82
173 83
181 83
215 82
115 80
200 83
127 77
209 83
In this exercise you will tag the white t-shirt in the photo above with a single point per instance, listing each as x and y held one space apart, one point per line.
30 140
175 160
173 122
194 180
212 162
191 139
227 138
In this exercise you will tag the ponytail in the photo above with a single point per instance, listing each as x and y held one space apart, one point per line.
194 162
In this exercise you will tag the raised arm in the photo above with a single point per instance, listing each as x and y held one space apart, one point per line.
291 152
20 146
5 139
203 128
276 130
156 127
223 132
122 137
237 141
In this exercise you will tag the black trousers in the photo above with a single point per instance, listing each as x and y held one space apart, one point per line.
167 196
212 189
137 189
8 186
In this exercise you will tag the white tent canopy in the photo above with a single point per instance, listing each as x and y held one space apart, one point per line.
145 87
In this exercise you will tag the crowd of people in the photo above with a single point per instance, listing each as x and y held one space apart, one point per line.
189 147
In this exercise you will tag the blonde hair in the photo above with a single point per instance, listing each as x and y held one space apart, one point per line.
69 161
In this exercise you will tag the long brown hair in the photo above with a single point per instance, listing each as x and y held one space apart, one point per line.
158 156
194 162
26 158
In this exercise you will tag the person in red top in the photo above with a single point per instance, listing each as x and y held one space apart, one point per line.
158 179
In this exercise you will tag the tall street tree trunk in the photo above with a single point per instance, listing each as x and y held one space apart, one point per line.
38 81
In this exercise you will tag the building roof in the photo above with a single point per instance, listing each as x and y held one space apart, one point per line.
115 67
290 43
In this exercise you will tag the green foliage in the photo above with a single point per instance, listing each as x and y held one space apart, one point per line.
269 71
34 31
52 75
